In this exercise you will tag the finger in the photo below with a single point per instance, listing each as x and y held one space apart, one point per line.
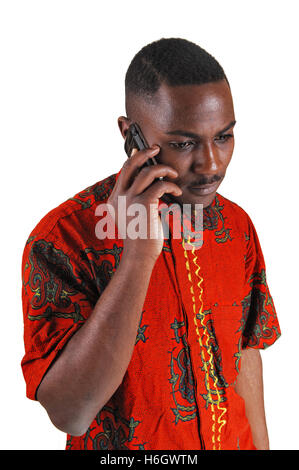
161 187
148 175
133 164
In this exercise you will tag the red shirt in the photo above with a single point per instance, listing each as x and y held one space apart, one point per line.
201 308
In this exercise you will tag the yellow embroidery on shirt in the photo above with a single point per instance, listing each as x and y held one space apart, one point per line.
221 421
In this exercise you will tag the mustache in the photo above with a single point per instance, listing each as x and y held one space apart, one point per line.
205 180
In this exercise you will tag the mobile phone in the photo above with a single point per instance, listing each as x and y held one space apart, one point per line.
135 139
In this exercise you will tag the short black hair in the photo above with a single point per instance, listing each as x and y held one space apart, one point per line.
173 61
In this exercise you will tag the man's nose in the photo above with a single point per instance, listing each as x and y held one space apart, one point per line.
206 159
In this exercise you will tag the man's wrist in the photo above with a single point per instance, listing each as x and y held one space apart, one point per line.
138 258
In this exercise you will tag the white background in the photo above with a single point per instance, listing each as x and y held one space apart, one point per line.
63 65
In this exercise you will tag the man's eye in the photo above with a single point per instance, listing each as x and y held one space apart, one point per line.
224 137
182 145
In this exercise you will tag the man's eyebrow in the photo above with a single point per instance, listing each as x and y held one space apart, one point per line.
197 136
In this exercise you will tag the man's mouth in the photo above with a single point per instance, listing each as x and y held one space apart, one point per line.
203 189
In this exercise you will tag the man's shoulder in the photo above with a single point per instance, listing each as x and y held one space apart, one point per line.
81 205
232 210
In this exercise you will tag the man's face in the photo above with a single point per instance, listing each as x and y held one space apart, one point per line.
193 125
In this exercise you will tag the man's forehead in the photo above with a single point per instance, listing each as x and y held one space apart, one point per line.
186 105
192 94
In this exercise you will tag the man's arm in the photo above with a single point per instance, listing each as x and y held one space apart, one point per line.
92 364
249 386
94 361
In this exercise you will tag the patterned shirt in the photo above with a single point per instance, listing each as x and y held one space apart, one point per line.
202 307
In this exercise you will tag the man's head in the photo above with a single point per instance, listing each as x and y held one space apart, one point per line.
180 97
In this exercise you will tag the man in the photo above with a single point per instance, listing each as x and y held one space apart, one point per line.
141 343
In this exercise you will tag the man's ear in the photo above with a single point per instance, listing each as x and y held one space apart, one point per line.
124 124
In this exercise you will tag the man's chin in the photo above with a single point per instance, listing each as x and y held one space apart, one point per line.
193 199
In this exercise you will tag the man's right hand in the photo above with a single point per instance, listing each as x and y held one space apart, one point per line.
138 186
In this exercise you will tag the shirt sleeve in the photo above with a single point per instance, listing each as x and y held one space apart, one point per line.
260 326
57 298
